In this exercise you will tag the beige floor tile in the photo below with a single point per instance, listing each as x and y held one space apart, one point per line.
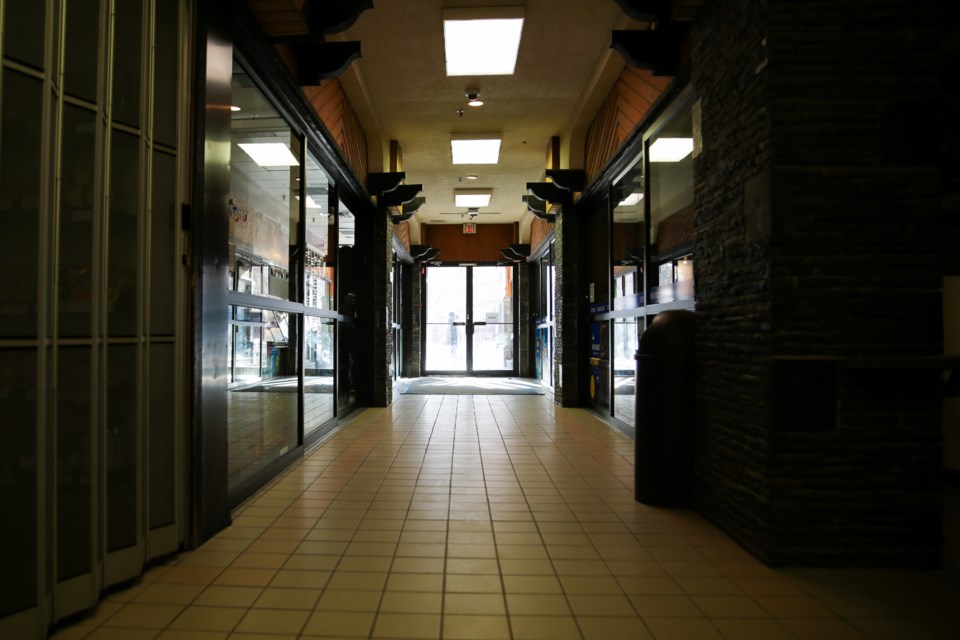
544 628
365 564
287 598
415 582
753 629
208 619
411 625
190 575
209 559
590 584
535 604
245 577
143 616
162 593
793 607
123 633
729 607
472 583
485 566
471 551
272 621
339 624
417 565
411 602
334 600
613 628
531 584
665 606
682 629
523 567
249 560
467 627
357 580
581 568
175 634
228 596
473 603
600 605
300 579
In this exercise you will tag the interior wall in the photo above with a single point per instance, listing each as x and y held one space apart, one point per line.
457 246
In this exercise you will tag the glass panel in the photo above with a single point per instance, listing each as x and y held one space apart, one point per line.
163 244
18 471
446 332
78 158
319 274
624 369
628 239
347 297
671 208
82 44
74 464
121 460
20 201
122 261
162 421
264 193
23 29
127 52
262 398
492 318
165 59
317 373
346 367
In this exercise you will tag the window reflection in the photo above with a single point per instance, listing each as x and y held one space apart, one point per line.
318 266
318 350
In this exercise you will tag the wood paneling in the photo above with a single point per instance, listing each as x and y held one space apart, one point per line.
402 232
334 109
539 230
279 17
629 100
455 246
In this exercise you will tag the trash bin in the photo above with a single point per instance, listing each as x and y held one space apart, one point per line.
664 443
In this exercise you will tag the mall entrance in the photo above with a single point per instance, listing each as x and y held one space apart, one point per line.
469 320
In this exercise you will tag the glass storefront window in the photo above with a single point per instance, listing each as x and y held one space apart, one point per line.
264 201
318 350
671 208
318 267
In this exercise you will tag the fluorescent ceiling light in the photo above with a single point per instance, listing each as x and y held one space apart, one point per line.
472 197
670 149
482 41
269 154
234 107
312 204
475 149
630 200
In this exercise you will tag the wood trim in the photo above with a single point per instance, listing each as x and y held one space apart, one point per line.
333 107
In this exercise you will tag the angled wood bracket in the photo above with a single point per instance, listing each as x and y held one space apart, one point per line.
319 60
573 180
399 195
550 192
378 183
539 208
657 50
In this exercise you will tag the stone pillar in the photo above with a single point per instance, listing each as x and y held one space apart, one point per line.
568 312
411 322
818 275
375 339
525 364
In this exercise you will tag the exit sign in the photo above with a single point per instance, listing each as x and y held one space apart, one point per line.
470 228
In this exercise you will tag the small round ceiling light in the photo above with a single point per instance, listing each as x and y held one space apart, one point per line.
473 98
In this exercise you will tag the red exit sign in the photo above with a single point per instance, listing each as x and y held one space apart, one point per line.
470 228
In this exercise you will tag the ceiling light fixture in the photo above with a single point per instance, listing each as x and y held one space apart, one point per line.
234 107
269 154
475 148
670 149
473 98
472 198
470 177
482 41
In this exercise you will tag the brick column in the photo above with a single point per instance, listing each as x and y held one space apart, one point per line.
816 198
568 310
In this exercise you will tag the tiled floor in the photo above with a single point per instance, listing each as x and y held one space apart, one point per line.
494 517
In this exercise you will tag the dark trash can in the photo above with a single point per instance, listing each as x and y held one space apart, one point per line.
665 417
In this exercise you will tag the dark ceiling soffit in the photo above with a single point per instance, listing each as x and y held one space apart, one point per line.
399 196
550 192
568 179
657 50
378 183
271 73
318 60
326 17
645 10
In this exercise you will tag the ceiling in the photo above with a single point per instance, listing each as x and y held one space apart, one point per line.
401 92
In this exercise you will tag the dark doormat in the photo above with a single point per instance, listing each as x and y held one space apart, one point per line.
455 385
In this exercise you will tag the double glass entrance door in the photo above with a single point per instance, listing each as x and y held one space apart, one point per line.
469 320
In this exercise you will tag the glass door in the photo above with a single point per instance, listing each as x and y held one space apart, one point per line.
469 320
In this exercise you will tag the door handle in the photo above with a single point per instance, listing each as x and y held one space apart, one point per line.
478 324
459 324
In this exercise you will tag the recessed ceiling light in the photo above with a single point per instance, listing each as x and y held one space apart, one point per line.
470 177
670 149
269 154
475 148
631 200
234 107
473 98
472 197
482 41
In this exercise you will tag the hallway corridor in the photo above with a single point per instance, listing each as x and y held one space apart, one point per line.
493 517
